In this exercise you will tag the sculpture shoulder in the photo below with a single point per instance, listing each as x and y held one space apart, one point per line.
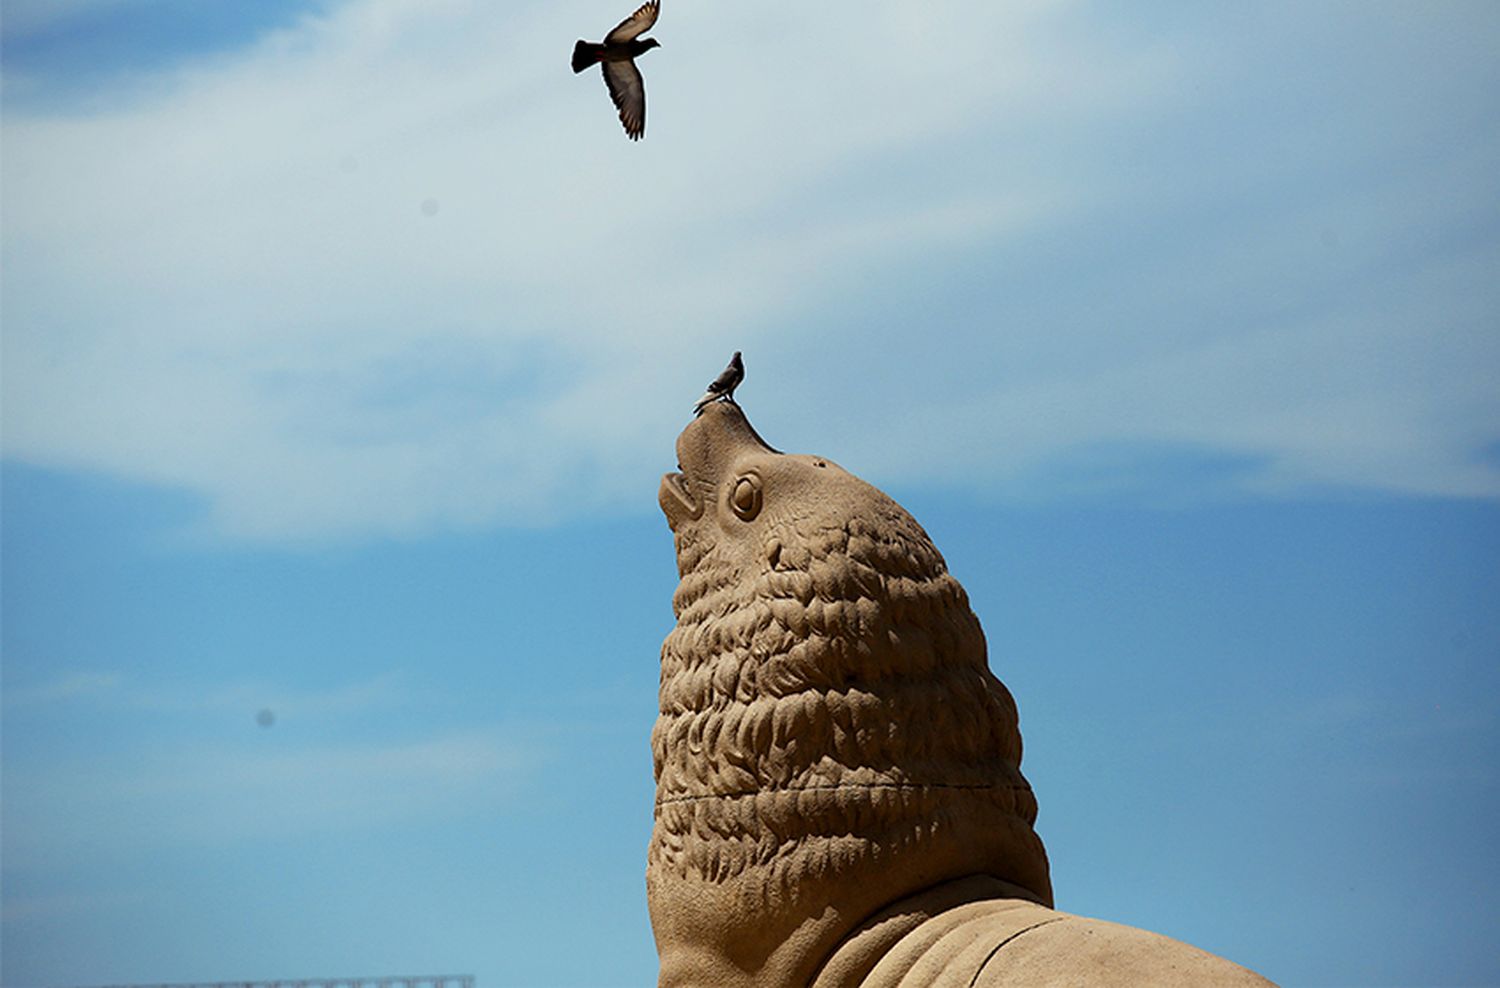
1009 943
1075 950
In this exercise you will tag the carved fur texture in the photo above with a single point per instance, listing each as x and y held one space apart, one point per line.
824 700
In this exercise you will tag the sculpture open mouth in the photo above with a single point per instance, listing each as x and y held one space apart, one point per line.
677 500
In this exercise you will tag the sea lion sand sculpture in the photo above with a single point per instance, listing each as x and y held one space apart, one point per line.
839 798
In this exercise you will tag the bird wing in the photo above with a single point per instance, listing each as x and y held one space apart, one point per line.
635 25
726 380
628 90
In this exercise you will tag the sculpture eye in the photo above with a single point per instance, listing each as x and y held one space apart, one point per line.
744 500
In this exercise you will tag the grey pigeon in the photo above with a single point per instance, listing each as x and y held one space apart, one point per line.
723 386
617 57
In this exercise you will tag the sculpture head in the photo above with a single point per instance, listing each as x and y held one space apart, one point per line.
830 737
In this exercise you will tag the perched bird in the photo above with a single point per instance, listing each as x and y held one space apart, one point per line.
723 386
617 56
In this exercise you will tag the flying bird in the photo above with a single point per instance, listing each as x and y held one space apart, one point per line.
723 386
617 57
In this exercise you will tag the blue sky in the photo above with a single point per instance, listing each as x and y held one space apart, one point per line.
345 342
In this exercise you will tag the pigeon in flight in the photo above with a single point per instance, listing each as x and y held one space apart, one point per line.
617 57
724 385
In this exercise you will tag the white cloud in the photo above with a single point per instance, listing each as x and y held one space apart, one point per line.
1364 397
235 282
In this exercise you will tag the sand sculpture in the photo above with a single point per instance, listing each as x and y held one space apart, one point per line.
839 794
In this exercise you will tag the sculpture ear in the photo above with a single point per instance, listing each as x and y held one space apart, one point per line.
746 496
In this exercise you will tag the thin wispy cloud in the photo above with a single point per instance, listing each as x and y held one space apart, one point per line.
389 270
72 686
119 691
23 908
224 795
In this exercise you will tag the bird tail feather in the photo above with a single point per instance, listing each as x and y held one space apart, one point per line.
584 55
